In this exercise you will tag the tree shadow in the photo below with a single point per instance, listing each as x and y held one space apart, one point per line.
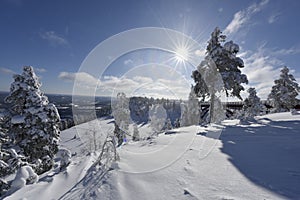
267 153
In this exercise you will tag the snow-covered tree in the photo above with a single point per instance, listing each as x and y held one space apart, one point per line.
4 186
252 105
139 109
177 123
220 60
10 160
34 126
190 111
136 135
158 116
121 114
284 92
25 175
65 157
169 124
5 169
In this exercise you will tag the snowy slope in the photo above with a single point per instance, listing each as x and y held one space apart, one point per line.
259 160
54 184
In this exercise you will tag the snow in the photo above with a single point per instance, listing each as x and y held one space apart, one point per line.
258 160
24 175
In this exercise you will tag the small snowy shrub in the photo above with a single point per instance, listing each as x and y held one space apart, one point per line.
4 186
25 175
65 157
294 112
168 124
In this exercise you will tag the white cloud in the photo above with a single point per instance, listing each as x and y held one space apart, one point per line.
132 86
82 78
41 70
53 38
6 70
263 66
200 53
261 70
143 79
283 52
242 17
128 62
273 18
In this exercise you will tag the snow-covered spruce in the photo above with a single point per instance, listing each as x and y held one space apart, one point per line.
252 105
5 157
157 117
227 64
190 114
34 126
121 114
284 92
139 109
177 123
10 160
136 135
168 125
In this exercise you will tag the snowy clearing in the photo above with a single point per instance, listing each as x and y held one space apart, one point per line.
255 161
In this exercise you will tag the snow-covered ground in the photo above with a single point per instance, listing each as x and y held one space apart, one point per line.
255 160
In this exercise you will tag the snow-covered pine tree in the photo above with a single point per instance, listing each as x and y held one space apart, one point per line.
157 116
34 126
227 64
5 169
284 92
191 111
10 160
184 119
177 123
169 124
121 114
136 135
252 105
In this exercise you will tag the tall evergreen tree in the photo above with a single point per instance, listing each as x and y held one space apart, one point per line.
34 126
223 58
284 92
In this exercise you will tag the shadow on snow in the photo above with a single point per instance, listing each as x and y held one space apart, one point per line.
267 153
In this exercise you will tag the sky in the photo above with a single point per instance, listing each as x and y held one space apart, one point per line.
56 37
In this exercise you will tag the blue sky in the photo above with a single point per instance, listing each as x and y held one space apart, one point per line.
56 36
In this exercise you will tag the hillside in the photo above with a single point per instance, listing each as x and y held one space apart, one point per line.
258 160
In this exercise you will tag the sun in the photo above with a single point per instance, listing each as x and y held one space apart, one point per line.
181 55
